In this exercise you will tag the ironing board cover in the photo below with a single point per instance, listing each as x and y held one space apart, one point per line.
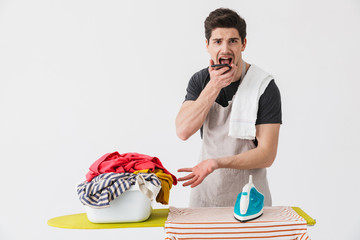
157 219
80 221
219 223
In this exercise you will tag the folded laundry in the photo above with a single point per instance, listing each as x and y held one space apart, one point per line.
127 162
166 184
106 187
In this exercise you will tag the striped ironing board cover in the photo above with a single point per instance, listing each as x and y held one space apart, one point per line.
218 223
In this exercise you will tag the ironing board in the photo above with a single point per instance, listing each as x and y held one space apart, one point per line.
156 219
80 221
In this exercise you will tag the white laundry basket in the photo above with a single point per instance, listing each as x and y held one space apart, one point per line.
131 206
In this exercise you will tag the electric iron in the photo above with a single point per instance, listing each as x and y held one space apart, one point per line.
249 203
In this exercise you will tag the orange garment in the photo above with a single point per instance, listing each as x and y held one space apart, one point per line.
166 184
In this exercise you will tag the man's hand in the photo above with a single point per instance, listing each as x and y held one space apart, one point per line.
198 173
219 78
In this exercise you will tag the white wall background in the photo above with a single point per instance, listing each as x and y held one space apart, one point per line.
82 78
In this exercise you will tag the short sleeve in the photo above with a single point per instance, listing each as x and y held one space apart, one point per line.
196 85
269 110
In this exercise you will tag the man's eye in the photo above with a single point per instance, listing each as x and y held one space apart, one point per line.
217 42
233 41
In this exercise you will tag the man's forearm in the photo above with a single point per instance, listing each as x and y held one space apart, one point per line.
260 157
254 158
193 113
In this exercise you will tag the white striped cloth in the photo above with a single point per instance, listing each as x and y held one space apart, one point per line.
219 223
106 187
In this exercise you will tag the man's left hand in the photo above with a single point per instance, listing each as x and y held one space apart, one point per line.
198 173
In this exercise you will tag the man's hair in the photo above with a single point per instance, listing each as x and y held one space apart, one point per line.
224 18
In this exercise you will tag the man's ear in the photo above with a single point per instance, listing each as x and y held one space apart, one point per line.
207 45
244 45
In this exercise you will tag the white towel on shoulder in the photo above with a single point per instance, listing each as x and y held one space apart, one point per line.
246 103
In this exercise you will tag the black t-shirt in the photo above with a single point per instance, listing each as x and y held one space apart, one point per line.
269 110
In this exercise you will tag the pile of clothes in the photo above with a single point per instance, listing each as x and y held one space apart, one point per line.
114 173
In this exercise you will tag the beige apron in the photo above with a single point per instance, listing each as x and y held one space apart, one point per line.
221 187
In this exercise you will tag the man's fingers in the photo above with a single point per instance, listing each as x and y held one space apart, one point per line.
221 71
191 181
197 182
224 73
211 63
185 170
187 177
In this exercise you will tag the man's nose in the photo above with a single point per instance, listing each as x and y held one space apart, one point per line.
225 47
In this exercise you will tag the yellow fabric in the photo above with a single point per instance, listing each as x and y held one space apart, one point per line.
309 220
166 184
80 221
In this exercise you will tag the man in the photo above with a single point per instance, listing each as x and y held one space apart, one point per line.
226 162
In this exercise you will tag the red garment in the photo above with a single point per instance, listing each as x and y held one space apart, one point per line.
127 162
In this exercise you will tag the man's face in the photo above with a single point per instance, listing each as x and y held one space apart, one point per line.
224 46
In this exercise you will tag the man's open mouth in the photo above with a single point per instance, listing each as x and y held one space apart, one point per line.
225 60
